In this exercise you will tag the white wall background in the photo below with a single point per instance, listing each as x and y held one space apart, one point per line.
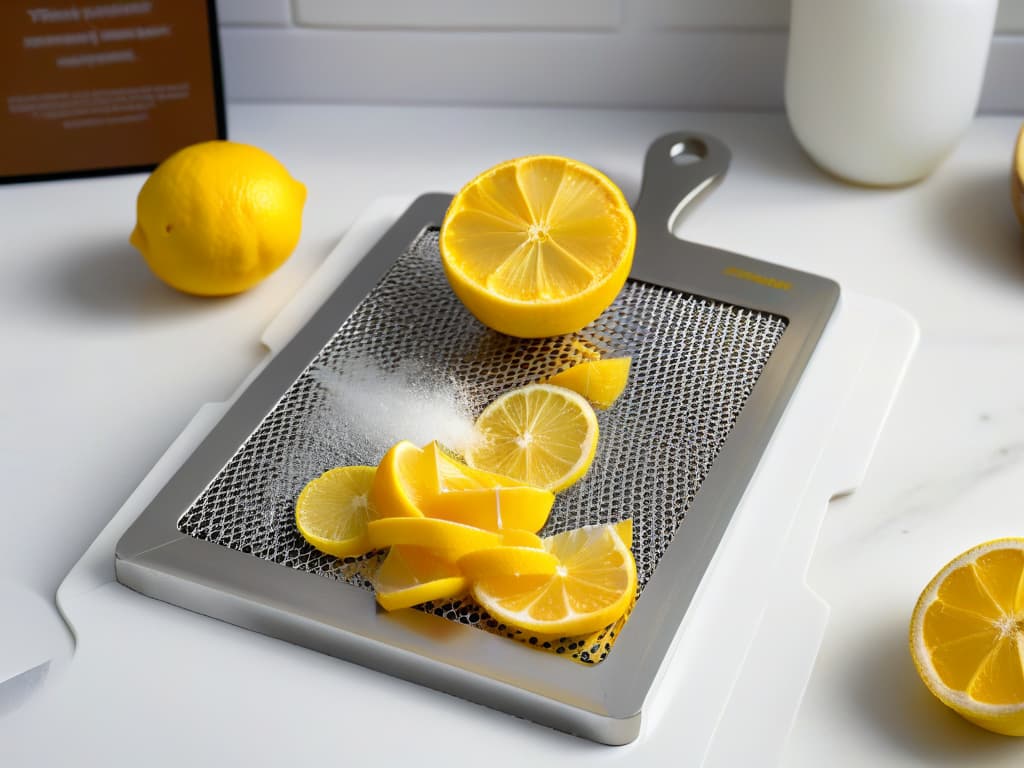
633 53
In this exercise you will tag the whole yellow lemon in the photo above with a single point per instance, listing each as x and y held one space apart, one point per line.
218 217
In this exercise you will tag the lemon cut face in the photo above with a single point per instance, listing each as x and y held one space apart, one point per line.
333 510
542 435
538 246
967 635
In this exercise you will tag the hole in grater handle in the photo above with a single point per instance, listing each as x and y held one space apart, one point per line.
678 168
688 152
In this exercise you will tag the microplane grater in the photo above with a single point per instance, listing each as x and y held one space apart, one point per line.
719 342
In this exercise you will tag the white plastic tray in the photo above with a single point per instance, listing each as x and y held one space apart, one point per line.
174 686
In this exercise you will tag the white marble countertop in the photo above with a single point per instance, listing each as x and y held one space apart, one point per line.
105 365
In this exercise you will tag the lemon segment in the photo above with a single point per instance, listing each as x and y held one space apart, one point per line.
453 475
542 435
494 509
601 382
538 246
332 511
624 530
403 480
517 537
592 586
507 561
447 540
414 482
218 217
967 635
410 576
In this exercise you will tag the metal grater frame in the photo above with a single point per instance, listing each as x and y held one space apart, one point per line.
169 554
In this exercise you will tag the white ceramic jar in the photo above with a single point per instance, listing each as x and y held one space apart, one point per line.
879 92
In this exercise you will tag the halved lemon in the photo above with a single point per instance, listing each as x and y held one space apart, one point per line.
333 509
538 246
592 586
967 635
541 435
410 576
600 381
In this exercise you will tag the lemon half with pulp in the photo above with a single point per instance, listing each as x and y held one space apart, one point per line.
538 246
967 635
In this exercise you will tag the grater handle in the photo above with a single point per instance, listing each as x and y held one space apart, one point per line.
678 168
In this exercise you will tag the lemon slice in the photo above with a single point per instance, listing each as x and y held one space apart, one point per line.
541 435
484 499
593 585
538 246
448 540
600 381
332 511
967 635
410 576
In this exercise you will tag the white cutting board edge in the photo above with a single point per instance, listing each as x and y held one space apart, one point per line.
763 625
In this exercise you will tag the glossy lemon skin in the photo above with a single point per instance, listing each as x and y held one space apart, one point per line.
217 218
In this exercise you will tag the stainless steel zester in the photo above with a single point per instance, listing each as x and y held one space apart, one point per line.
719 342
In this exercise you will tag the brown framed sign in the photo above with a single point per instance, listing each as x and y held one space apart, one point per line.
97 87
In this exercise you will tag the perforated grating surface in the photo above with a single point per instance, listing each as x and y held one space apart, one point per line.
695 362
